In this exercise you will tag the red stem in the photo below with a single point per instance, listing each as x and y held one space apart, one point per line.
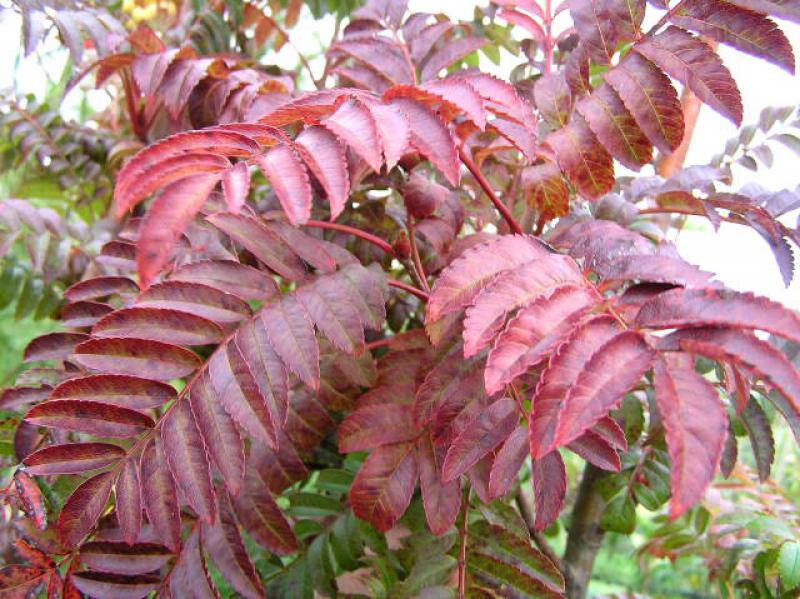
376 241
409 288
487 188
548 39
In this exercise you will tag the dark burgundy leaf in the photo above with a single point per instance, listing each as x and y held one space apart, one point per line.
262 518
202 300
91 417
441 500
549 482
53 346
158 324
375 425
31 497
128 495
101 585
231 277
136 357
122 558
159 495
508 461
72 458
116 389
100 287
83 508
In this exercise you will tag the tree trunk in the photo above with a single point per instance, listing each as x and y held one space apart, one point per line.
585 535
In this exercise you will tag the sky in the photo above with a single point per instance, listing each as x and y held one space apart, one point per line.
738 255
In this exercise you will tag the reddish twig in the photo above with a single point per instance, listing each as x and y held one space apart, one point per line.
369 237
409 288
487 188
423 280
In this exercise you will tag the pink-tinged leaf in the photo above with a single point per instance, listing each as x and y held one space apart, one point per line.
615 127
31 498
692 62
133 357
279 468
53 346
72 458
458 95
744 349
512 290
158 324
522 20
326 159
375 425
328 305
451 52
534 333
102 585
186 456
292 337
144 163
582 158
652 100
508 461
189 576
219 433
596 450
261 242
520 136
238 391
611 432
553 99
367 289
441 501
781 10
226 548
501 98
119 390
18 582
545 190
362 77
613 370
100 287
195 298
128 497
741 28
159 495
260 516
81 315
492 426
310 249
381 55
460 282
598 31
90 417
448 387
17 397
354 124
230 277
549 482
148 69
289 179
167 218
563 370
83 508
696 425
678 308
235 186
122 558
393 129
431 138
653 268
382 489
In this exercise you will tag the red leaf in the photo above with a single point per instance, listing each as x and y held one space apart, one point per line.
231 277
549 482
787 10
534 333
458 95
583 159
82 315
483 434
460 282
159 495
382 56
441 501
696 425
382 489
393 130
91 417
354 124
598 31
545 190
186 456
202 300
692 62
700 307
219 433
225 546
328 305
553 99
31 498
743 29
649 96
278 468
53 346
83 508
262 518
122 558
326 159
101 585
128 496
157 324
100 287
167 218
521 19
119 390
508 461
512 290
596 450
431 138
375 425
501 98
292 337
450 52
612 371
18 582
135 357
189 576
656 269
289 180
235 186
72 458
448 387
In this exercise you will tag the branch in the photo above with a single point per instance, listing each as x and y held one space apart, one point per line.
423 279
368 237
462 550
487 188
409 288
527 510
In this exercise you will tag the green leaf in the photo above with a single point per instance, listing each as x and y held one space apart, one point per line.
320 566
620 515
310 505
335 480
789 559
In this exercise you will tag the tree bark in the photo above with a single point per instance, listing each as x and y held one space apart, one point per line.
585 536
